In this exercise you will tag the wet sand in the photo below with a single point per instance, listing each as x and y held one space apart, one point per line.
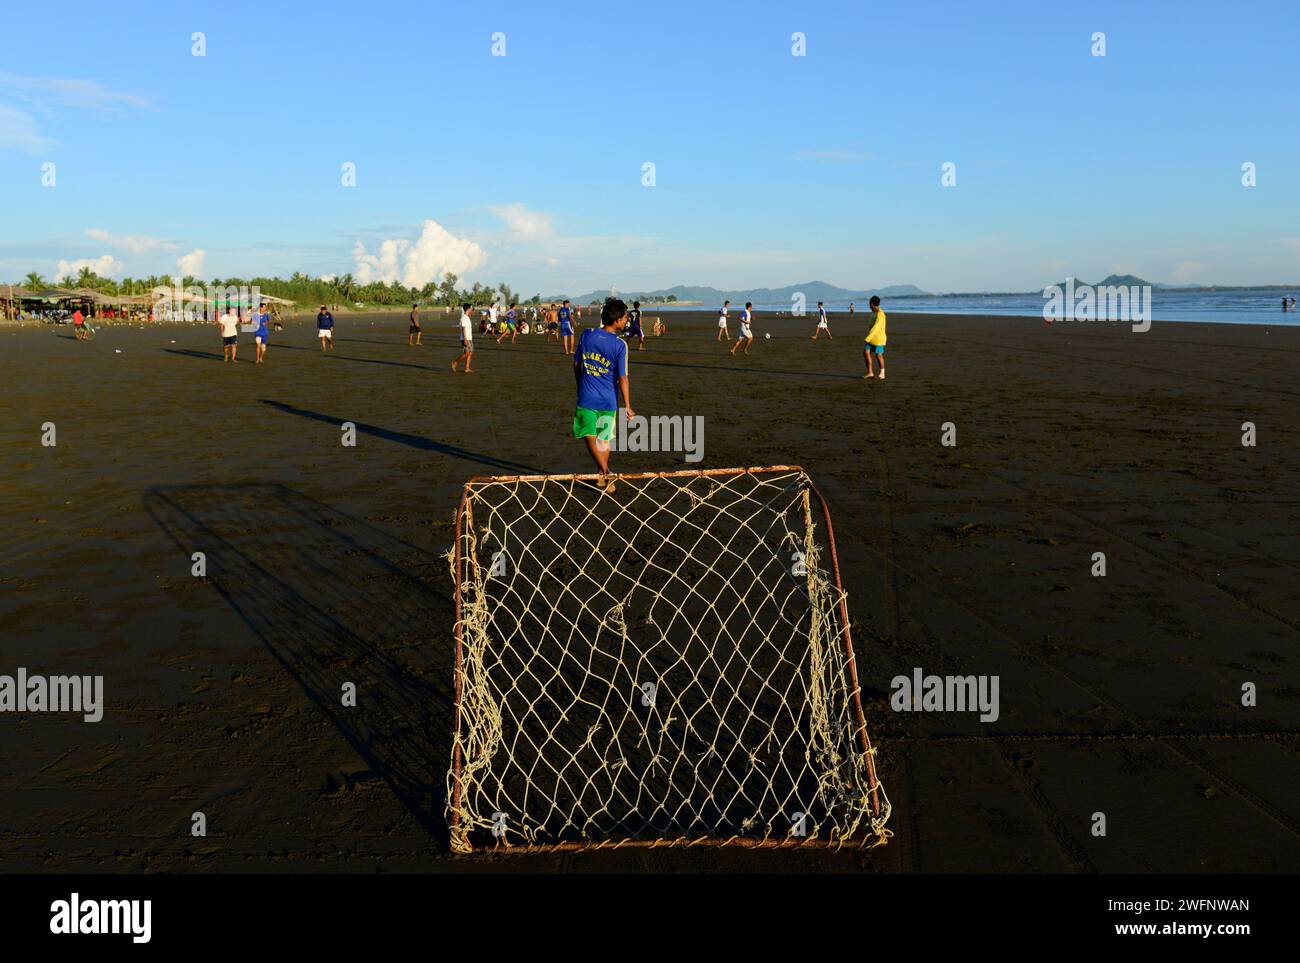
1119 695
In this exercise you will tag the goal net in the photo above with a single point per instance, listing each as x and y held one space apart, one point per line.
668 664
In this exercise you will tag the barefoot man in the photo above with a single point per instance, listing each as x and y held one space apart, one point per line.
599 363
566 328
414 334
821 323
746 332
466 340
875 340
229 325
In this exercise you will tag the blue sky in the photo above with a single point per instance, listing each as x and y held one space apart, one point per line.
770 169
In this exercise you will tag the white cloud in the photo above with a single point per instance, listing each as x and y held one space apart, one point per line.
135 243
105 266
327 278
553 261
415 264
18 132
527 225
191 265
45 92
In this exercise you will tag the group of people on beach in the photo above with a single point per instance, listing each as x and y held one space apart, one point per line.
229 324
560 321
600 355
873 350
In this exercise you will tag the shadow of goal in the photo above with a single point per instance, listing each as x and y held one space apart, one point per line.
667 664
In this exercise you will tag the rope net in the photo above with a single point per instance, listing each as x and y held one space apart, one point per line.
670 663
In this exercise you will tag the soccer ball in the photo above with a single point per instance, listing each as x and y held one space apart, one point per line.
768 335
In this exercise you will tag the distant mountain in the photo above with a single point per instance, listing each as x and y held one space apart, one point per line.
1116 280
813 291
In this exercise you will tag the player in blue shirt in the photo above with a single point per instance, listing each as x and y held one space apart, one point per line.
566 328
599 363
325 328
262 335
512 326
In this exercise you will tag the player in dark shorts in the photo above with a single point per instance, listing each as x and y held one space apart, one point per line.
413 336
634 325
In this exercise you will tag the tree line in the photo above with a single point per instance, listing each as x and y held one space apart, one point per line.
302 288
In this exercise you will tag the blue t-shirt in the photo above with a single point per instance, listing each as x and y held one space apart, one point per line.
603 357
564 319
324 320
263 326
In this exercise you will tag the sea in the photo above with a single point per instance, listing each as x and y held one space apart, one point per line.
1244 306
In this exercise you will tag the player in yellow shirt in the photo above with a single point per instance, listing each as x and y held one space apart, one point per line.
875 340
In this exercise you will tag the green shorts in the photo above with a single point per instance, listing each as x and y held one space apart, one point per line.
587 421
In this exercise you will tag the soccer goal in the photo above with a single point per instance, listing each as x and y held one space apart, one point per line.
668 664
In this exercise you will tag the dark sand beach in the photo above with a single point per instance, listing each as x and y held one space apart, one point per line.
1119 695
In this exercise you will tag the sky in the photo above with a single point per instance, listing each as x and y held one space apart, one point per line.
509 142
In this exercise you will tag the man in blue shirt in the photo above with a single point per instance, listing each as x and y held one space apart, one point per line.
512 325
599 362
262 334
325 328
566 328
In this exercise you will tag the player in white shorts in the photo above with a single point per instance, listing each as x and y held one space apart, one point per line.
722 322
821 323
746 335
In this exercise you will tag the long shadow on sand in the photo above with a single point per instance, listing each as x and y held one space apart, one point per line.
205 355
414 441
335 599
346 357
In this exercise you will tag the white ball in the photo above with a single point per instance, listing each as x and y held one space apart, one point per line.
768 336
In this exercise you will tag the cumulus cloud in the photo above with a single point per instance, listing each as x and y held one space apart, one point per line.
526 224
191 265
327 278
135 243
105 266
416 263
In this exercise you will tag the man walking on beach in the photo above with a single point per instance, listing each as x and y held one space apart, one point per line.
229 325
875 340
262 334
821 323
746 333
722 322
466 340
634 325
599 363
414 334
566 328
325 328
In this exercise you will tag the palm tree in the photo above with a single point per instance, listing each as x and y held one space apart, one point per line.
34 280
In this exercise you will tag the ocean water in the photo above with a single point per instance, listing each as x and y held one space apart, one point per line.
1247 306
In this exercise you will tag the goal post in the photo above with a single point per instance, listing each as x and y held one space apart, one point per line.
668 664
